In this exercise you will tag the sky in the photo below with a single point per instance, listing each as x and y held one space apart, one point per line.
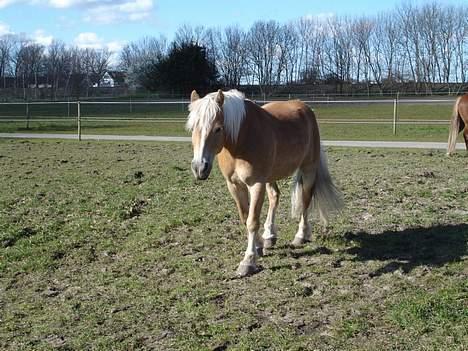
112 24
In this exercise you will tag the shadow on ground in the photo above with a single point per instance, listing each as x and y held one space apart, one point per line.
410 248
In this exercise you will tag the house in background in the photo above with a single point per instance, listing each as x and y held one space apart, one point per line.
111 79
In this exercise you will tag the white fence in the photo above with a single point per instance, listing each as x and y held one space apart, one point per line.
78 112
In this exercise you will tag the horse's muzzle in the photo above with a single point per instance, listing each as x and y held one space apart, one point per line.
201 170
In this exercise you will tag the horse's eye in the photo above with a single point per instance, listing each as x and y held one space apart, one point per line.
218 129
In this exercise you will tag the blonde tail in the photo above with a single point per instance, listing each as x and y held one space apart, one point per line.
296 195
326 197
454 129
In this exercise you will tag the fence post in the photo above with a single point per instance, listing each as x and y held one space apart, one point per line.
78 115
68 108
395 114
131 108
28 115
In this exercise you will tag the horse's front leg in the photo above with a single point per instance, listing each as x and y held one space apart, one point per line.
254 241
240 195
270 234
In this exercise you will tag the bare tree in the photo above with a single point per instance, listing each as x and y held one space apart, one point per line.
32 62
19 64
411 40
339 48
137 55
389 36
310 55
7 43
290 48
232 52
461 43
55 65
99 64
190 34
264 54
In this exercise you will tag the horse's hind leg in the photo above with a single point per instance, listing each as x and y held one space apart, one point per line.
270 234
304 232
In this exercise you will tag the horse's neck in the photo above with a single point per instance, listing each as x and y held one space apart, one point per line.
251 130
232 146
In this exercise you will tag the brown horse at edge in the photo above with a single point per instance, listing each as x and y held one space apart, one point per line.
459 123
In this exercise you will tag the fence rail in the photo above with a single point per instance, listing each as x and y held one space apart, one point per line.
175 112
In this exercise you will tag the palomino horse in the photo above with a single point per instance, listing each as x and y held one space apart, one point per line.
256 146
459 123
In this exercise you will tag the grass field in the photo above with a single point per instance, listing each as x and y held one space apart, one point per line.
328 115
114 246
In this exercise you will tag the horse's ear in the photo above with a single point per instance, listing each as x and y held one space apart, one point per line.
194 96
220 98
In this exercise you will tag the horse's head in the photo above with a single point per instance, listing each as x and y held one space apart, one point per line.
206 121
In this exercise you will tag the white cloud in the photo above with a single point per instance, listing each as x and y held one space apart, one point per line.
40 37
126 10
88 40
91 40
5 3
101 16
115 46
97 11
61 4
4 29
136 6
107 11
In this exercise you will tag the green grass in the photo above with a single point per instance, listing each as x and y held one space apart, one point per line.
444 311
115 246
384 111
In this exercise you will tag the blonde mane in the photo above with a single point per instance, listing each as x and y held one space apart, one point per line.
203 112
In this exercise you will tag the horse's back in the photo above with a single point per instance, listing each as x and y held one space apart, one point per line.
289 110
293 119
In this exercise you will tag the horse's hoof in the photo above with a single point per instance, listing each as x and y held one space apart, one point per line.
298 242
245 270
269 243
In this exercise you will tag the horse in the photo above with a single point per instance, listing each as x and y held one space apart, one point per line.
458 123
255 147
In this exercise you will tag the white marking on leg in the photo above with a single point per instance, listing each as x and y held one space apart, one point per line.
270 228
250 257
305 231
270 231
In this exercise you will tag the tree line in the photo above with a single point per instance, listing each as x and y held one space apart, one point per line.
26 66
420 47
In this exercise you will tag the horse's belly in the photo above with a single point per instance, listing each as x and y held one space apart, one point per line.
290 155
285 168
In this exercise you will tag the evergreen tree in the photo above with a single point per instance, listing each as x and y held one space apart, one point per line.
185 68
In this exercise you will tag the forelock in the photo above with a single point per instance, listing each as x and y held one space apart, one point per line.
203 113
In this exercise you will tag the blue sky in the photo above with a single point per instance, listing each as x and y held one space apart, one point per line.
106 23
